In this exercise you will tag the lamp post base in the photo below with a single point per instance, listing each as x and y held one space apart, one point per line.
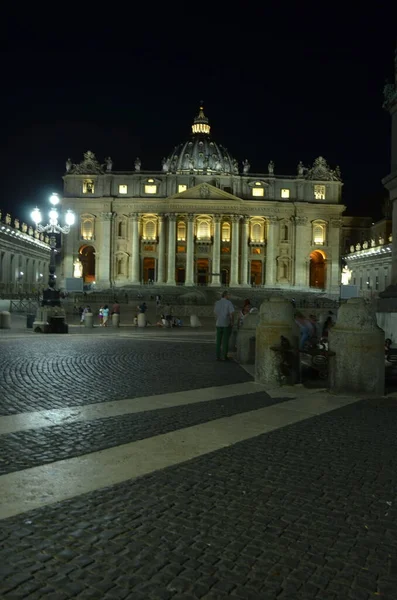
50 319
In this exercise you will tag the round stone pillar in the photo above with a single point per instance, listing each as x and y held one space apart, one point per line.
359 345
88 320
276 320
115 320
141 320
246 339
5 320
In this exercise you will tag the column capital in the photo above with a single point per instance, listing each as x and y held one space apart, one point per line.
245 219
171 217
134 216
272 218
190 218
160 218
107 216
300 220
217 218
335 222
235 218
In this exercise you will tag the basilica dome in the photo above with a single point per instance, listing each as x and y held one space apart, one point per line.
200 154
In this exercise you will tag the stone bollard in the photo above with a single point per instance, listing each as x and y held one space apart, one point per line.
246 339
5 319
194 321
359 345
88 320
115 320
276 320
141 320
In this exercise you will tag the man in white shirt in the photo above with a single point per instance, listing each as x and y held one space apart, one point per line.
224 311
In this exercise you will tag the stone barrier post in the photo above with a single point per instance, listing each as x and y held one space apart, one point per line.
194 321
141 320
359 345
88 320
115 320
5 319
276 320
246 339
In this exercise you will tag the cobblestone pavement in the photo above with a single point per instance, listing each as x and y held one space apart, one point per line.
46 372
306 511
25 449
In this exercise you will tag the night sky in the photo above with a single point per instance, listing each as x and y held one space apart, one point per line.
277 85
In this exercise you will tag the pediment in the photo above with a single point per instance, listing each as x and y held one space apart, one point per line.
205 191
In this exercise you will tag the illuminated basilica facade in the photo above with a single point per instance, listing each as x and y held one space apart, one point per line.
203 219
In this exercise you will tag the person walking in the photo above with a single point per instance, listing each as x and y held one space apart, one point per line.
224 312
105 315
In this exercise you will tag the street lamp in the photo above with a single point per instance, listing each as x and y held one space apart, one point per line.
51 296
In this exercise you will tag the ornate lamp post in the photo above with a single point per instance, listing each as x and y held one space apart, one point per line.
51 317
51 295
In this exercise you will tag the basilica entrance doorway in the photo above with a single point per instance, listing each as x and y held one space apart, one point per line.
149 268
317 269
256 272
180 275
87 258
202 271
225 276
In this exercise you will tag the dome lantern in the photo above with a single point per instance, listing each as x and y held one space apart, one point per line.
200 123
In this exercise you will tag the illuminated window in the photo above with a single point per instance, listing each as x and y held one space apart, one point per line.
319 192
225 250
123 189
226 232
150 189
318 234
87 227
180 249
203 230
88 186
182 188
181 231
256 251
256 232
150 230
285 193
258 191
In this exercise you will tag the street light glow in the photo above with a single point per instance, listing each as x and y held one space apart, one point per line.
54 199
69 218
53 214
36 215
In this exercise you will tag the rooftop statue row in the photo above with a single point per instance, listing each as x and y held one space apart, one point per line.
371 244
320 170
24 228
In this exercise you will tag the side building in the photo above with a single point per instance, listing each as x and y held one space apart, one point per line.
24 258
203 219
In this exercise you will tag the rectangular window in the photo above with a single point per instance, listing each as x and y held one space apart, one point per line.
319 192
259 191
182 188
256 250
88 186
225 250
123 189
285 193
180 249
150 189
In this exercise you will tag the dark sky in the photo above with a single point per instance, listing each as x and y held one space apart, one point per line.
277 84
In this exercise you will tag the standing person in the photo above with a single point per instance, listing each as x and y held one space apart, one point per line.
100 315
224 312
105 315
116 308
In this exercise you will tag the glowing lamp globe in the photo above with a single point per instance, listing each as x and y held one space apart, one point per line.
69 217
36 216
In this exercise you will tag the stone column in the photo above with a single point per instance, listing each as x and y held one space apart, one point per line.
189 279
235 248
161 250
333 264
359 345
135 259
276 320
270 252
302 245
216 253
103 252
244 253
171 250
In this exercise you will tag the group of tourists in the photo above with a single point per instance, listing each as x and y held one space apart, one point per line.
313 332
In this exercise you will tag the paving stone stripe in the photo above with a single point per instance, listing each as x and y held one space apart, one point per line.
307 511
26 449
43 374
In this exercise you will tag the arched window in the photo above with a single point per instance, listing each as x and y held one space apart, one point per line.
87 227
203 230
319 233
181 231
150 230
226 232
256 232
